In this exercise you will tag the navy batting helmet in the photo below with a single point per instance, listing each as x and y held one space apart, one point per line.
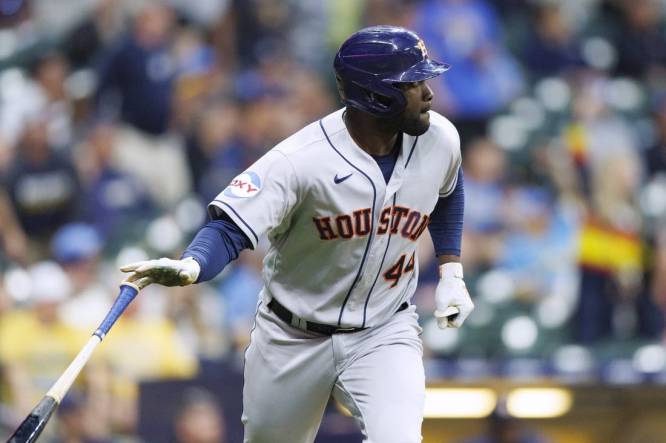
373 60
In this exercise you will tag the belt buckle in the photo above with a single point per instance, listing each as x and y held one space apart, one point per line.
343 330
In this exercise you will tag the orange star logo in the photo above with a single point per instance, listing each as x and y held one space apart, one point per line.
421 45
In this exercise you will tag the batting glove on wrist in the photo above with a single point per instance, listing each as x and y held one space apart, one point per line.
163 271
451 297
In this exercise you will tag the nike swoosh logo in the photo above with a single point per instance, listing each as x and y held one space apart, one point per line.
338 180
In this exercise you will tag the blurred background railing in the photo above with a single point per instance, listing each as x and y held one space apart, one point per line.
120 120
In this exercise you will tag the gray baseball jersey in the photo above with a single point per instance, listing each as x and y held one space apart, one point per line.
342 240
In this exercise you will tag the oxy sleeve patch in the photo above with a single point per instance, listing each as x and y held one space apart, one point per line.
246 185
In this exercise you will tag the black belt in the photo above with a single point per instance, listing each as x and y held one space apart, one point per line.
287 316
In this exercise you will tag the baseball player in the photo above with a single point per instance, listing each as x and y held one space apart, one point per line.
343 202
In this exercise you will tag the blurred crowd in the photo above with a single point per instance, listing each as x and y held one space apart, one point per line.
120 120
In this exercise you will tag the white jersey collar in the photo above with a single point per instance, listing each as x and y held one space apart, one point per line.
339 136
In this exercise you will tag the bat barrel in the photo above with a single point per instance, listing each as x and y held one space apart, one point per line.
34 424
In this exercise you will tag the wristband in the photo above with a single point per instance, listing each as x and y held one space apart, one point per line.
192 267
451 270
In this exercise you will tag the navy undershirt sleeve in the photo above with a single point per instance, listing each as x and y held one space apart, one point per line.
216 244
446 221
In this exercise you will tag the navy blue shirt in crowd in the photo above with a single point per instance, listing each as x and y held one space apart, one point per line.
141 79
44 195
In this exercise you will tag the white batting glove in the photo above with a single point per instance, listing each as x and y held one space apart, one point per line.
451 297
163 271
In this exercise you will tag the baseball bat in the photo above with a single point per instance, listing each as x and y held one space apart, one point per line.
451 311
33 425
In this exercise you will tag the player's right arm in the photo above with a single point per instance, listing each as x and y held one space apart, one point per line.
216 244
256 201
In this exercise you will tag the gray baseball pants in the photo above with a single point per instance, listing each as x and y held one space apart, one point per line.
376 373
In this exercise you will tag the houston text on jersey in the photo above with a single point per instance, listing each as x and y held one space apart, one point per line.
408 222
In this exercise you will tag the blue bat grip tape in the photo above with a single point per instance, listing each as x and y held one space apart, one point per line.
127 294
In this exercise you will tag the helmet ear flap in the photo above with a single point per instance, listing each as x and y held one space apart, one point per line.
367 91
378 100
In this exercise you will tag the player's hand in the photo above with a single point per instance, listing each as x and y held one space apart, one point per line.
451 297
164 271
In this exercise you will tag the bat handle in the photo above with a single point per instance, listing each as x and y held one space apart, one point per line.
127 293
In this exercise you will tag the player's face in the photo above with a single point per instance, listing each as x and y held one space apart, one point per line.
415 119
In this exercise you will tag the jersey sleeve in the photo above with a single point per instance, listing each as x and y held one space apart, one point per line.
451 139
260 199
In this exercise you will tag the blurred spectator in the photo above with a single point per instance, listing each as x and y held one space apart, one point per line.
485 166
262 28
87 39
307 42
113 200
307 97
138 76
202 13
76 242
640 38
12 238
77 248
42 184
344 18
484 76
611 254
139 71
260 116
276 97
200 419
202 82
56 19
193 52
40 95
552 48
393 12
603 150
5 301
594 131
655 161
81 421
540 245
657 287
50 72
13 13
282 78
35 344
240 290
160 353
655 156
199 316
273 29
215 151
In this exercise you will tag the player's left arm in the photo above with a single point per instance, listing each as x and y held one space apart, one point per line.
445 228
220 241
217 243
